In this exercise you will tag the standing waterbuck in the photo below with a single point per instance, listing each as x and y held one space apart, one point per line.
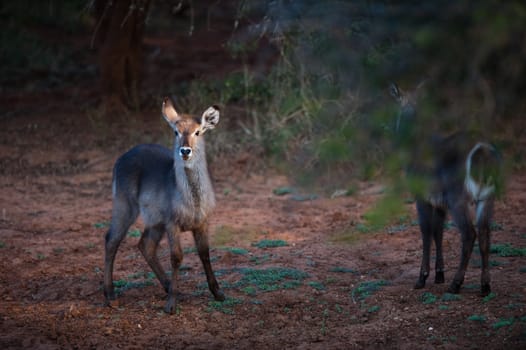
459 174
172 192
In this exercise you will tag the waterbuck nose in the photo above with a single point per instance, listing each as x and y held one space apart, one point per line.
185 151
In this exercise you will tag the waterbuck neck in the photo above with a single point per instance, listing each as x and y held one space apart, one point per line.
195 198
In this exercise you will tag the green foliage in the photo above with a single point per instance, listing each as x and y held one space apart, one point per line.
450 297
316 285
270 279
226 306
489 297
477 318
104 224
2 244
366 289
234 250
270 243
135 233
507 250
503 322
428 298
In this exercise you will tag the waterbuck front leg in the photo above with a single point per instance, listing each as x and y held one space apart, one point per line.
148 246
461 218
425 213
201 241
176 258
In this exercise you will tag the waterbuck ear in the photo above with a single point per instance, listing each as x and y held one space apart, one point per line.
169 112
210 118
394 90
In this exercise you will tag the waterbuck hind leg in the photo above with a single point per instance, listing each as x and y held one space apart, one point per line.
148 246
468 235
484 214
123 216
425 212
176 258
201 242
439 216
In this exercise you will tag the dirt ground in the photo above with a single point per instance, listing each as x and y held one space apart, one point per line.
299 271
321 287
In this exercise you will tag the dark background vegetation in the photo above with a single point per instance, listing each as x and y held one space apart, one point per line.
303 84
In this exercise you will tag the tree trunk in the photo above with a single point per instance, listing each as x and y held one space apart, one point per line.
119 31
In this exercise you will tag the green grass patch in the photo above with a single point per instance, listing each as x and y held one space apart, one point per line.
366 289
2 244
260 259
373 309
135 233
507 250
443 307
123 285
234 250
316 285
503 322
477 318
522 269
270 279
450 297
103 224
281 191
428 298
225 307
489 297
270 243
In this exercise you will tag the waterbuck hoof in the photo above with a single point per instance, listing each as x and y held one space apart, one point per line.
485 289
219 296
439 277
171 306
420 284
454 288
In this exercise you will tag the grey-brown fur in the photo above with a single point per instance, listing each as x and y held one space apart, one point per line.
461 174
172 192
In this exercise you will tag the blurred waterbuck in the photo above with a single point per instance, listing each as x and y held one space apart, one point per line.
172 192
459 174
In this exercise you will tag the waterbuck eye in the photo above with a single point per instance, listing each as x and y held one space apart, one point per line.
197 133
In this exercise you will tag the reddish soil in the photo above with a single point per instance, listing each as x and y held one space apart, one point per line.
342 289
56 195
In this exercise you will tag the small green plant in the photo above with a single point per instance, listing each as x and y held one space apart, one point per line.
41 256
366 289
428 298
226 307
373 309
316 285
489 297
103 224
234 250
135 233
260 259
270 243
281 191
271 279
507 250
2 244
443 307
450 297
522 269
503 322
477 318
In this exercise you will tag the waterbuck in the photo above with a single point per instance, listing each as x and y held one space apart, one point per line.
460 175
172 192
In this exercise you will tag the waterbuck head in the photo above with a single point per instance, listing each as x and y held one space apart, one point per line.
189 130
